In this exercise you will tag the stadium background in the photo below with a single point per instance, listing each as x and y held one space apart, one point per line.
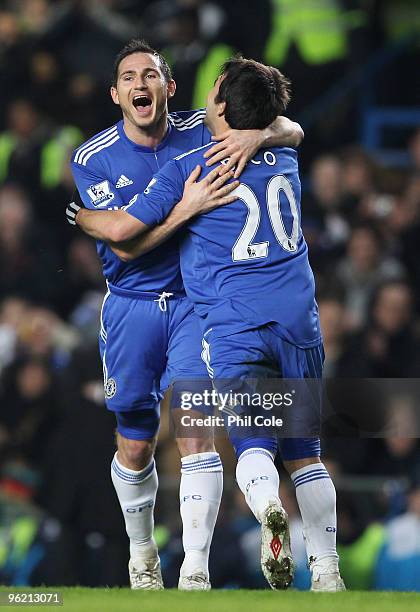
352 65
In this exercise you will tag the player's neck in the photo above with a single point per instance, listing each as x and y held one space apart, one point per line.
218 126
147 137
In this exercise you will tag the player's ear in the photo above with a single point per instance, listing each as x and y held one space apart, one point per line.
221 108
114 95
171 88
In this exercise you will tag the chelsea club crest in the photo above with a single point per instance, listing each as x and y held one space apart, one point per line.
110 388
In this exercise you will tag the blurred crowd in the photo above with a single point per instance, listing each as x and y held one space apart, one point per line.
61 524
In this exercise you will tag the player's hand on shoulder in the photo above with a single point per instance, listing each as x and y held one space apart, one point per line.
211 192
236 146
73 208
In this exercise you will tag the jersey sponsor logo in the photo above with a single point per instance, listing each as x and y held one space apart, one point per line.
110 388
100 194
330 529
123 181
150 185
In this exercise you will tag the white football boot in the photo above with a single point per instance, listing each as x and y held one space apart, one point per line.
145 574
276 557
197 581
326 576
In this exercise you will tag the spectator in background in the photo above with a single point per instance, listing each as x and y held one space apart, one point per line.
357 178
21 144
13 53
405 224
34 550
47 83
21 519
50 211
324 225
12 314
28 260
397 454
388 345
398 566
358 542
333 326
365 266
32 149
31 413
44 335
84 38
193 54
83 279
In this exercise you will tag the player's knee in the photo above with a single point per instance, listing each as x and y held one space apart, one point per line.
136 437
193 446
135 454
293 465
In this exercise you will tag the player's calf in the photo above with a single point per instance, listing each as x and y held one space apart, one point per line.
200 493
316 497
135 480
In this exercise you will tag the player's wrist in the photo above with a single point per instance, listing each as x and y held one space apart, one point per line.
184 211
266 136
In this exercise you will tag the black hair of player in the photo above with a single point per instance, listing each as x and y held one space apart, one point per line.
254 93
136 45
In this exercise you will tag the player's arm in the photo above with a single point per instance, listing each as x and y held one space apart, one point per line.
198 197
241 145
109 226
283 132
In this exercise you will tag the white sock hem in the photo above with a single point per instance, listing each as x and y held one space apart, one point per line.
201 462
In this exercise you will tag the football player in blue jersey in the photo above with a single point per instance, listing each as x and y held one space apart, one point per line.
246 268
149 333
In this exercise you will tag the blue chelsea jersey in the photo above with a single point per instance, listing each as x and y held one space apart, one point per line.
109 169
244 264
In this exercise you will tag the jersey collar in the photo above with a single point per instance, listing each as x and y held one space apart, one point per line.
137 147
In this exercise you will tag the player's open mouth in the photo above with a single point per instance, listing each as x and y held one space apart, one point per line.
143 105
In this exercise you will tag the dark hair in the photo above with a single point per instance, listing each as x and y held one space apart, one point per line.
136 45
254 93
371 228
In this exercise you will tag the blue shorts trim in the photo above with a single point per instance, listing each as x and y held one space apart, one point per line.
292 449
138 424
268 444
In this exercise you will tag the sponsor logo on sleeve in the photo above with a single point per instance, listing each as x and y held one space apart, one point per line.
100 194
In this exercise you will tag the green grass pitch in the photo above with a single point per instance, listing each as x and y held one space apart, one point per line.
123 600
